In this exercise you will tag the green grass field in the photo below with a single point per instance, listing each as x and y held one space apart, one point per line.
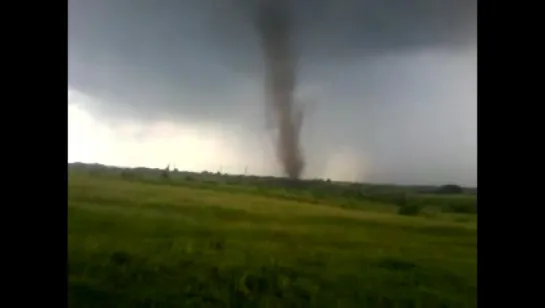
134 244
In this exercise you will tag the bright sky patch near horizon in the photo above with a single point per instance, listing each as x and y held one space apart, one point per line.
156 145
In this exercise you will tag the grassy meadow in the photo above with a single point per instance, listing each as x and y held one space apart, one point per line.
139 244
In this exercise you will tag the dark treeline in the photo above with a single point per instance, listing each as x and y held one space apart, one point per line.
450 198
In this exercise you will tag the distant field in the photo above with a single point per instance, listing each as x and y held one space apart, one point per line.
136 244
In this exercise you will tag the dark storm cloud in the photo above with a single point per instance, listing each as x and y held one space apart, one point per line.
327 30
157 55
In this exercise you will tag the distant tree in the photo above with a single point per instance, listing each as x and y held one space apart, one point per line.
127 174
450 189
166 172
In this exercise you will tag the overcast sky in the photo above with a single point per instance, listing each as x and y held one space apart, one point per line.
389 87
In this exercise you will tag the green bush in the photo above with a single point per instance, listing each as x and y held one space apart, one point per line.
460 208
128 175
400 199
409 210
